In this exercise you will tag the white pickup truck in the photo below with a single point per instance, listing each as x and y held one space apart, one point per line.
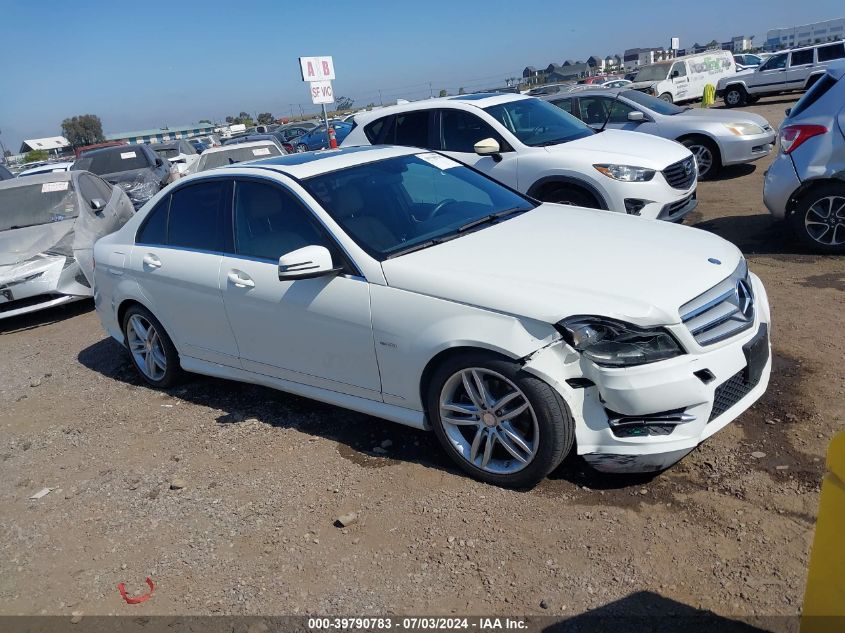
786 71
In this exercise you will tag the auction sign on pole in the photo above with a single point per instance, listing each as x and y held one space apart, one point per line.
319 73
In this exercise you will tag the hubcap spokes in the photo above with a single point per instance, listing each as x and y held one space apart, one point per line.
825 221
489 420
146 347
703 157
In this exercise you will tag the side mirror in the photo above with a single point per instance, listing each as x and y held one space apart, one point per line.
159 162
676 73
788 111
98 204
636 116
487 147
306 263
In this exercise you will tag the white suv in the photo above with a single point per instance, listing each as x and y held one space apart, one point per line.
537 149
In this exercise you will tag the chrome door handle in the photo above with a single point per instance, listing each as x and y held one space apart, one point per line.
151 260
240 279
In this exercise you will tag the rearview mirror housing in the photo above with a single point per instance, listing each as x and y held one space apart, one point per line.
306 263
636 116
98 204
487 147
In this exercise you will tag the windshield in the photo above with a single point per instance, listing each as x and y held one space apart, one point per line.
655 72
535 122
394 205
42 203
110 161
236 155
653 103
166 152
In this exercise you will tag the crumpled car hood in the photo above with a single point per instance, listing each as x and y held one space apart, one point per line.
21 244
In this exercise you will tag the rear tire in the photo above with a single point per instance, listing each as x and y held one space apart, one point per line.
819 219
706 154
735 96
542 433
153 354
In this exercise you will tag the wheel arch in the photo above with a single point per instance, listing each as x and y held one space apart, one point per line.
807 186
705 136
540 185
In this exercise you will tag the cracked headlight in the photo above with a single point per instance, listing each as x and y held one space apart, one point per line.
743 129
611 343
626 173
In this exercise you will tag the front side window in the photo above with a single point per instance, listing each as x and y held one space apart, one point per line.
195 216
652 103
93 187
800 58
270 221
460 131
596 110
538 123
396 204
680 68
775 63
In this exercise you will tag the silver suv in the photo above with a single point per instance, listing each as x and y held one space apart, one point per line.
786 71
806 182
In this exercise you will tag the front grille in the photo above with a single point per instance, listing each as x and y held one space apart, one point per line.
681 175
730 392
671 209
723 311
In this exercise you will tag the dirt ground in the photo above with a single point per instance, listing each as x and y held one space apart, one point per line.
264 475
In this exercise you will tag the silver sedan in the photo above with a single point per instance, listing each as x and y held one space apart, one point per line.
716 137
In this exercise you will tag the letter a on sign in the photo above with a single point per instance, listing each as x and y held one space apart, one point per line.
317 68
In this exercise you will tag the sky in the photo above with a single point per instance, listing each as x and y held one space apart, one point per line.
150 64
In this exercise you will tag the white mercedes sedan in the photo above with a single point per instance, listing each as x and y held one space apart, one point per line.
400 283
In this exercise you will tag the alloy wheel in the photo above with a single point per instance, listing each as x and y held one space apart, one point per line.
703 158
489 421
733 98
146 347
825 221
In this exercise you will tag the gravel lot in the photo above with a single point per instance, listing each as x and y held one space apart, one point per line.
262 476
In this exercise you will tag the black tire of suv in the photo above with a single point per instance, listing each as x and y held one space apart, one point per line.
555 423
572 196
173 372
741 96
797 219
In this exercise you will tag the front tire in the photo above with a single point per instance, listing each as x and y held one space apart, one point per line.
497 422
302 147
706 156
819 219
153 354
572 196
735 96
666 97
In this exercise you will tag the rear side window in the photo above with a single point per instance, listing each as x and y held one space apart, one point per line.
815 93
373 130
154 228
410 129
195 216
834 51
800 58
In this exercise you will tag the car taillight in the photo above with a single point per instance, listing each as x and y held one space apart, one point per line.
792 136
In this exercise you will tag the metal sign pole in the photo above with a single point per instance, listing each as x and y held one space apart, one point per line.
326 120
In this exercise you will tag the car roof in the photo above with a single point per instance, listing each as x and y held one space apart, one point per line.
587 92
479 100
237 146
307 164
37 179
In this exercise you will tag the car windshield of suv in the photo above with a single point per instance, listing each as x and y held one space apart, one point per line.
401 204
655 72
42 203
653 103
110 161
237 155
537 123
166 151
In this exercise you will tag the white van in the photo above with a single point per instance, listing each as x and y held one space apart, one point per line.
684 78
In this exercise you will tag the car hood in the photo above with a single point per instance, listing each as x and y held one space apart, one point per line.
132 175
704 115
558 261
19 245
642 85
634 148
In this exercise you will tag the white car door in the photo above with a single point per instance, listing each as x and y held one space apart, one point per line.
456 133
771 76
310 331
176 262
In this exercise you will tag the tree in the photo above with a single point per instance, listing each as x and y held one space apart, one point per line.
85 129
206 121
230 120
444 92
462 90
36 155
344 103
265 118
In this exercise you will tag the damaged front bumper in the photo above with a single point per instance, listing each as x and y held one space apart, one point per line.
646 418
41 282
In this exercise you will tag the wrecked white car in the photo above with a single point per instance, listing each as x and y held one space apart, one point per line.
48 226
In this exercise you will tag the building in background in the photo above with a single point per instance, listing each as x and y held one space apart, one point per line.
53 145
790 37
633 58
163 134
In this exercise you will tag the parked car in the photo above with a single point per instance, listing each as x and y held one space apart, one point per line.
402 284
318 139
181 154
616 83
715 137
211 140
536 148
787 71
548 89
250 138
5 174
198 145
805 184
79 151
231 154
746 61
683 78
267 129
48 226
134 168
47 168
